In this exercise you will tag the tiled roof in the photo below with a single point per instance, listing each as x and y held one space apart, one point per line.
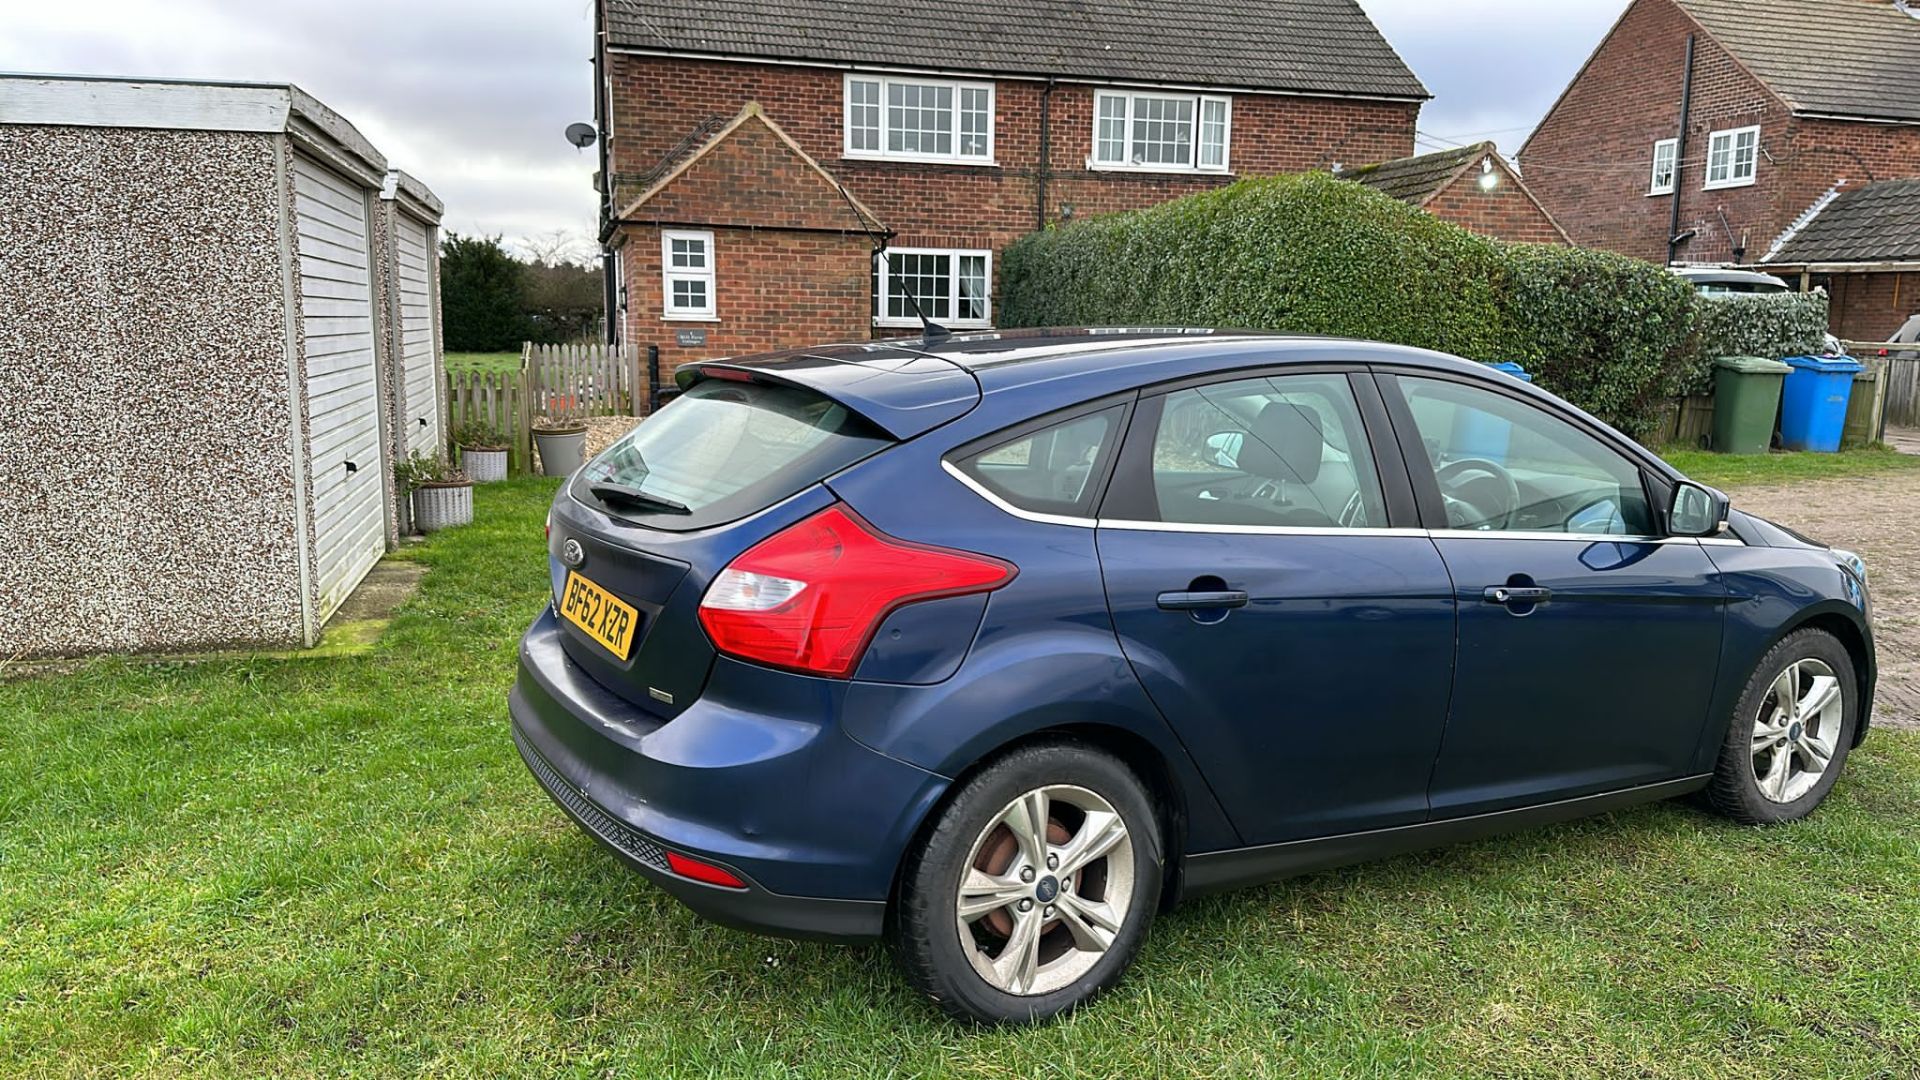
1307 46
1876 223
1417 179
1847 57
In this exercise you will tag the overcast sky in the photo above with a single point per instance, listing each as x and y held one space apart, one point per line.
472 95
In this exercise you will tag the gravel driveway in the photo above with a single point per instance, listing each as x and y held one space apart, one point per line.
1875 516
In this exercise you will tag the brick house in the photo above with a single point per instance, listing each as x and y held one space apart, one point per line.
1471 186
749 150
1862 245
1711 163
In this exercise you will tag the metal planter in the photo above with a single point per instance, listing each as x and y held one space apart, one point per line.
442 506
483 466
562 450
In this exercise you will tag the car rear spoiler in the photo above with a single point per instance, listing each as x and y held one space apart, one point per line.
901 392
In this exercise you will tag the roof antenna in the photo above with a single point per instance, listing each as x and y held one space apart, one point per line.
929 330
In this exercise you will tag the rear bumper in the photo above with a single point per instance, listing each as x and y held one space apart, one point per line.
752 908
812 822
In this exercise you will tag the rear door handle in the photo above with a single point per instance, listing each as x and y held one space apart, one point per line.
1516 594
1202 601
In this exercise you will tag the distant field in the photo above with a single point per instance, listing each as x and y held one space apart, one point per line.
483 361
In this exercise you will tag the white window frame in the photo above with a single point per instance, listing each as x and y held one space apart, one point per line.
882 285
1200 102
881 153
1671 148
1731 137
669 275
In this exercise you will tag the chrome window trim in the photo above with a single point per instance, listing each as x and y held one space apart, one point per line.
1294 530
1526 534
1250 530
1025 515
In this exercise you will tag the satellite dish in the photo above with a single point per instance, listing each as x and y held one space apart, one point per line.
582 135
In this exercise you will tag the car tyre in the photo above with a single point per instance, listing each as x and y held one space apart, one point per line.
1001 922
1790 733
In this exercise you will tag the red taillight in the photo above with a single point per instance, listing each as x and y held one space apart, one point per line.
810 597
699 871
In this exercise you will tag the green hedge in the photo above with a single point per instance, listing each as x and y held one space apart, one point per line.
1772 325
1312 254
1611 334
1304 253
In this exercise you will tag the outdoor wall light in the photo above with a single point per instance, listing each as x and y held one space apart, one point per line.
1488 178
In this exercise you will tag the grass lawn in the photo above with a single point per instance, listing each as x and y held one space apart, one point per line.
482 361
338 866
1731 470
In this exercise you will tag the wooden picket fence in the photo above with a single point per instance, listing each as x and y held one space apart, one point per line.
574 382
553 382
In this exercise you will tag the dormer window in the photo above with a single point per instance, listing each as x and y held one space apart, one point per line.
1158 132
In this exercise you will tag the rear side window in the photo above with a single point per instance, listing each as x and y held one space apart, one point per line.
1053 470
1287 451
724 450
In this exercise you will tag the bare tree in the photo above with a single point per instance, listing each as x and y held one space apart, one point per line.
557 247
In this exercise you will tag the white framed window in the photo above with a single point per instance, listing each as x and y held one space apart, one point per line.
1666 164
919 119
1732 157
953 287
1159 132
686 266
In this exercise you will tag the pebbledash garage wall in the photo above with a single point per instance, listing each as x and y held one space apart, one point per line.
218 329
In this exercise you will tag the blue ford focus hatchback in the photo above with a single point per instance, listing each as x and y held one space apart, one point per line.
997 645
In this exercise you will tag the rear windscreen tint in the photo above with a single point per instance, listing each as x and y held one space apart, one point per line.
728 449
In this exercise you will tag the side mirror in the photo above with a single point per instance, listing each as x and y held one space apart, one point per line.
1697 510
1225 447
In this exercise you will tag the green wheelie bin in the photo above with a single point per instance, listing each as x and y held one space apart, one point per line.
1746 400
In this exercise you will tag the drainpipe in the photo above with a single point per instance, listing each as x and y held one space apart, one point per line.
1680 155
609 288
1046 157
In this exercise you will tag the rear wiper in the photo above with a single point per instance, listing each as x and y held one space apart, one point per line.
606 491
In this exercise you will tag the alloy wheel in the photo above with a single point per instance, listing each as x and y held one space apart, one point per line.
1046 888
1797 730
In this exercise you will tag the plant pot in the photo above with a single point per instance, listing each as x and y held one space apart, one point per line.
562 449
484 464
441 506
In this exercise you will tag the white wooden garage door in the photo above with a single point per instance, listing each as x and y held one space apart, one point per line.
417 317
343 397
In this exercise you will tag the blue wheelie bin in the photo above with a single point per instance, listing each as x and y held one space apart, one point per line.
1476 434
1813 404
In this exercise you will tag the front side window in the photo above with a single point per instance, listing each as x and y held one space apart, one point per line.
1049 471
951 287
1732 157
919 119
1508 466
1160 132
1665 162
1287 451
686 259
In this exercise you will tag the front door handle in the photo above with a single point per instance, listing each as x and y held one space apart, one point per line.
1515 595
1224 599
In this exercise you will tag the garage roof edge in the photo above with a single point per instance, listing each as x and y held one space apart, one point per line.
184 105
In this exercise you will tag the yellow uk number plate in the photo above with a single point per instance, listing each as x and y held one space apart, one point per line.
606 619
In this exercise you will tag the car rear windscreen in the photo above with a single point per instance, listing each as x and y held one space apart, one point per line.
724 450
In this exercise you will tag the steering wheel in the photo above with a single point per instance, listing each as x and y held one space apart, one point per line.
1457 475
